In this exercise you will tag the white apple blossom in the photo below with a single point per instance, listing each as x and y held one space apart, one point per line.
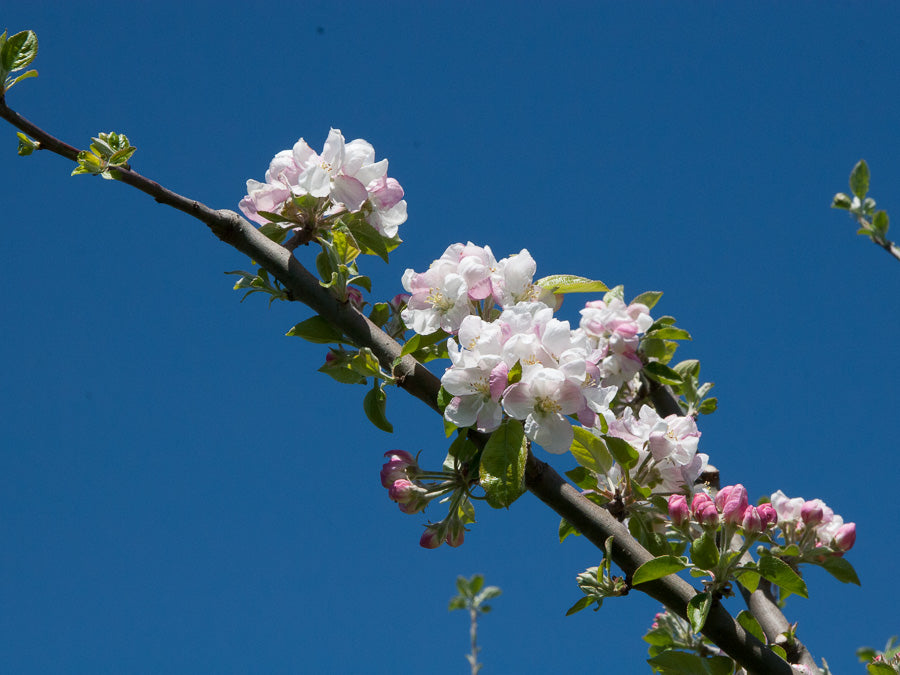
543 398
345 174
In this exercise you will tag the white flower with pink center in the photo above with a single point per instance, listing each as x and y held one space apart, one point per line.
543 398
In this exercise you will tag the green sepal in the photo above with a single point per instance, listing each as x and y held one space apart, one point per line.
657 568
374 405
648 298
698 609
780 573
559 284
502 469
704 552
859 179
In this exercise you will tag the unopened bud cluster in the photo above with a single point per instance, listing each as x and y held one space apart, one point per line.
413 489
811 524
730 506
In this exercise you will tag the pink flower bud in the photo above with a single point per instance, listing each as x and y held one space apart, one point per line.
768 514
812 512
354 297
398 466
707 515
403 491
679 513
845 536
733 504
431 538
751 521
455 536
700 501
400 455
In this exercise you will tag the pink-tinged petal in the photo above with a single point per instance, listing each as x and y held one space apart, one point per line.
570 398
460 381
387 222
304 156
518 401
553 432
333 152
463 410
498 380
349 191
489 417
370 172
846 536
384 192
357 153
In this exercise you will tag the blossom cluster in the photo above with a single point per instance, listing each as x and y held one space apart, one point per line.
344 177
668 460
811 523
458 283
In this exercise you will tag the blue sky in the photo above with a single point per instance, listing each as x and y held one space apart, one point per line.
180 491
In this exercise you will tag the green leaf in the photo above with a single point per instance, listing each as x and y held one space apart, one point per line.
622 451
11 81
318 330
374 407
709 406
417 342
580 605
368 238
704 552
443 398
366 364
670 333
780 573
778 649
462 448
381 312
649 298
662 373
515 373
567 283
658 568
840 569
18 51
590 452
342 372
26 145
457 602
566 528
698 610
502 470
751 625
880 669
859 179
673 662
583 478
880 222
841 201
748 579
